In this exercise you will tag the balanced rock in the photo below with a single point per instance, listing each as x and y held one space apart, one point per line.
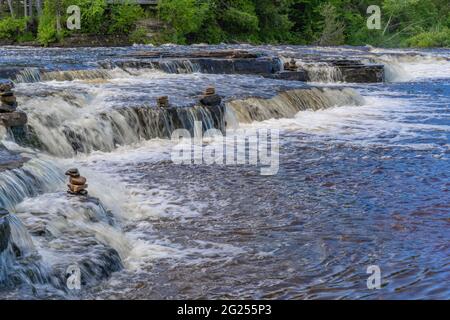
5 230
6 108
291 65
9 99
6 85
77 184
163 102
78 181
73 173
210 98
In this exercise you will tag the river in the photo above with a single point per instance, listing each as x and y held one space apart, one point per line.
363 180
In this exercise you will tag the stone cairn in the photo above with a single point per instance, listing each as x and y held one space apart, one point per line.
9 115
210 98
291 65
77 183
163 102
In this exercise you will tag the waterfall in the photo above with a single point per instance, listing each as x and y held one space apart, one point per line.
287 104
175 66
64 134
33 178
322 72
75 231
66 131
29 75
20 262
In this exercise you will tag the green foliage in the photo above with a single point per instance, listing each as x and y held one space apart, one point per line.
332 28
420 23
124 17
11 29
183 16
139 36
93 14
431 39
47 32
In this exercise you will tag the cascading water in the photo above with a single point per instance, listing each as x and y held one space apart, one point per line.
31 179
217 223
30 75
287 104
321 72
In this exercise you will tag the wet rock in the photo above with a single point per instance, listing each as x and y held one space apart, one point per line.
163 102
6 108
6 94
290 75
239 66
14 119
291 65
210 98
5 230
224 54
362 73
73 172
6 85
8 99
78 181
10 160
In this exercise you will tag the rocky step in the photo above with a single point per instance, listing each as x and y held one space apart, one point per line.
10 160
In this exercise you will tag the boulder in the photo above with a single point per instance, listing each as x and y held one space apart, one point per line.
14 119
362 73
211 100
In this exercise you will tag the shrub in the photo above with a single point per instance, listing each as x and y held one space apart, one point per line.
12 29
124 17
430 39
139 36
184 16
92 14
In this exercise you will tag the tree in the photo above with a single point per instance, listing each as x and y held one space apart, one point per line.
333 29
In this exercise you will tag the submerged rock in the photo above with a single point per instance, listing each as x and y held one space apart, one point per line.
75 231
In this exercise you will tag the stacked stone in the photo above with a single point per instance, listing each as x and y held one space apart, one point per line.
9 115
77 184
291 65
163 102
210 98
7 98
